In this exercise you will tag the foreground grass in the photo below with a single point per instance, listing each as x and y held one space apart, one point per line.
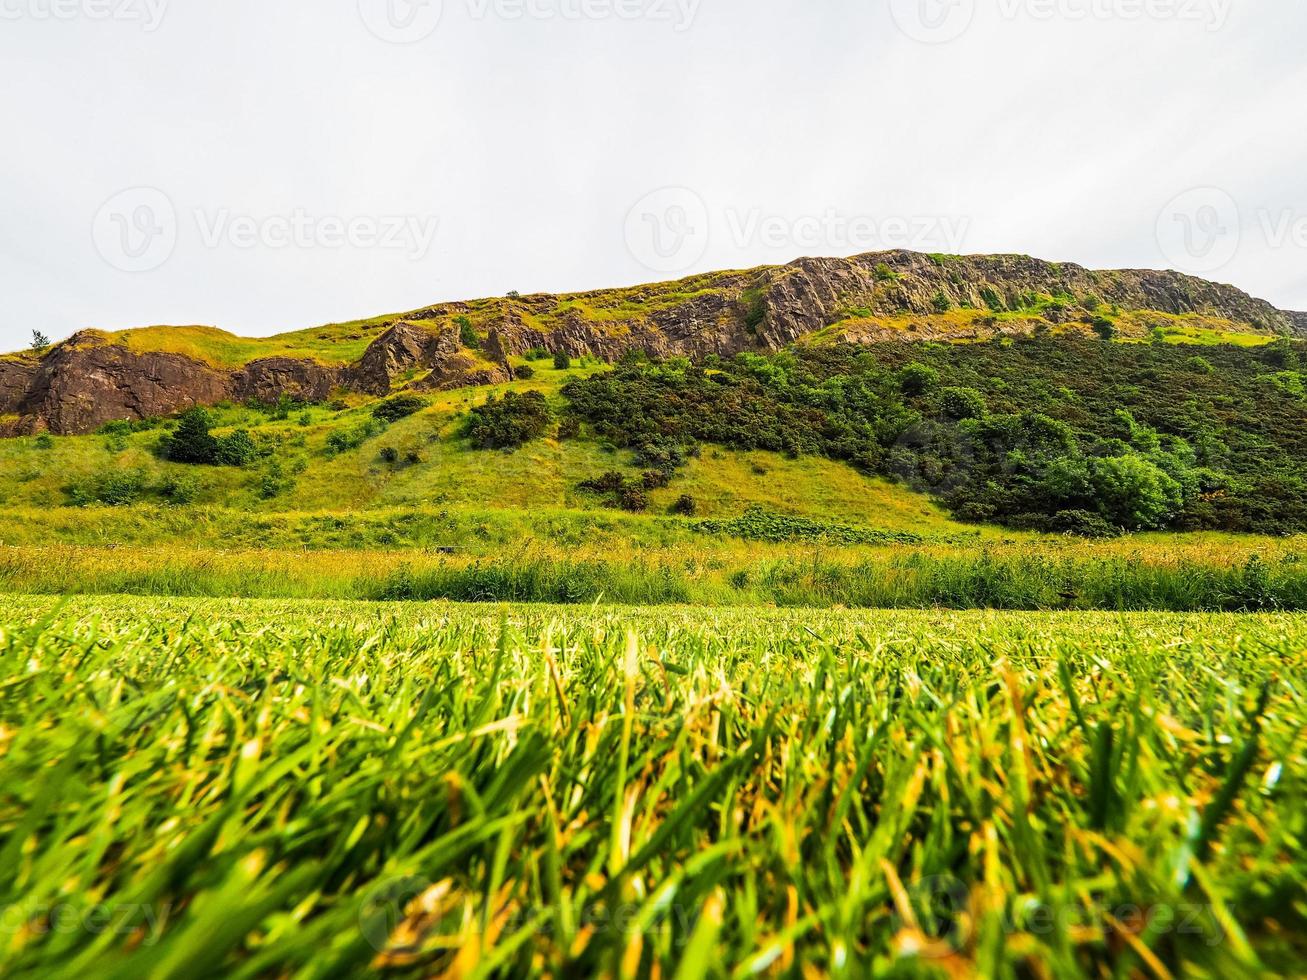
327 789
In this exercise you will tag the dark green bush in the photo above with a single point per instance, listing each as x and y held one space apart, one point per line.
399 407
511 421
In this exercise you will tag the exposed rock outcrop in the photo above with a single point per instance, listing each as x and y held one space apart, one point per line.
92 378
268 379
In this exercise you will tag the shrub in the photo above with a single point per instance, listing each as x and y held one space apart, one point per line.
399 407
191 442
44 441
236 449
467 334
524 372
511 421
179 488
884 273
389 454
343 440
562 361
117 488
1104 327
962 403
941 303
917 379
685 505
633 499
1200 365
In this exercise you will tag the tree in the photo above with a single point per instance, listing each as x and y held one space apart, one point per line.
39 342
192 442
1135 493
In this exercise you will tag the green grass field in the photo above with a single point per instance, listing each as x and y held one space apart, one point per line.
320 789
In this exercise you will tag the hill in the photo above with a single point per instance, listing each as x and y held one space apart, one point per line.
95 377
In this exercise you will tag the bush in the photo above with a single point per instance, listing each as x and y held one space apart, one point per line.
467 335
400 407
1104 327
116 488
44 441
343 440
509 422
524 372
917 379
562 362
389 454
941 303
962 403
685 505
236 449
179 488
191 442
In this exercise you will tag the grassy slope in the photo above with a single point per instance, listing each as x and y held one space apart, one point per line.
541 476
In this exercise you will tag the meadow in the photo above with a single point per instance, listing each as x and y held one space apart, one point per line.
313 789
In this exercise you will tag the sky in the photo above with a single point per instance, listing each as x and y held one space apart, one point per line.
264 167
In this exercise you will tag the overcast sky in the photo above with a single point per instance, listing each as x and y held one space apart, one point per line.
264 166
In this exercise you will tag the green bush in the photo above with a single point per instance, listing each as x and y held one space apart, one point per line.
511 421
399 407
962 403
917 379
467 334
685 505
524 372
562 362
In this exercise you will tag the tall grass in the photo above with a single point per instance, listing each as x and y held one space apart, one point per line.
299 790
1020 578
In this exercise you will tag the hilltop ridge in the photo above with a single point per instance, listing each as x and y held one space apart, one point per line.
97 376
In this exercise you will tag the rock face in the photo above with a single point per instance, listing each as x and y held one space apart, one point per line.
86 381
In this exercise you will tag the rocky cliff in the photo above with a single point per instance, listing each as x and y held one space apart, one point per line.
93 378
